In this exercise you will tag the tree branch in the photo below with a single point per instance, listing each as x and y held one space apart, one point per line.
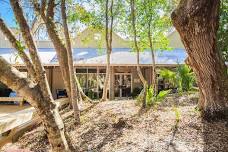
26 34
11 77
16 44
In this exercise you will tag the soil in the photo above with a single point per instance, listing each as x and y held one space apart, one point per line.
122 126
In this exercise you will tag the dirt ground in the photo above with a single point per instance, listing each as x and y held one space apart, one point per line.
121 126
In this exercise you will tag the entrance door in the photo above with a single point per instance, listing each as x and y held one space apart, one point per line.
123 85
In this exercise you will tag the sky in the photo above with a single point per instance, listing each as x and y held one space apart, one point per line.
6 13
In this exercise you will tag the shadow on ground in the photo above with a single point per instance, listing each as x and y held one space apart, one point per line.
215 135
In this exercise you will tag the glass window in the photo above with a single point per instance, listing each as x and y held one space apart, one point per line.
82 78
102 70
92 82
101 79
81 70
92 70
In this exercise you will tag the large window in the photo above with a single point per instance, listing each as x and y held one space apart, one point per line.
91 80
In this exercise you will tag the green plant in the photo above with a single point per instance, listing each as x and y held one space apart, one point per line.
152 99
177 113
185 78
91 94
169 76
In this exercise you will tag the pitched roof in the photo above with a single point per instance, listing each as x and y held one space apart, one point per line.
93 56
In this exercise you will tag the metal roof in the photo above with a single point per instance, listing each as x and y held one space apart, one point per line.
90 56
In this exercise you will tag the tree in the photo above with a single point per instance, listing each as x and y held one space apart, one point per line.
73 85
197 22
108 39
145 85
101 19
35 89
153 26
62 51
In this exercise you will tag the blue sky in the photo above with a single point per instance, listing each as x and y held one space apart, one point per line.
6 13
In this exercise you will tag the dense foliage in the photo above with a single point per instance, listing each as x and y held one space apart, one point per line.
183 78
223 29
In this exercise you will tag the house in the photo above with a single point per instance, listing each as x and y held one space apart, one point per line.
90 62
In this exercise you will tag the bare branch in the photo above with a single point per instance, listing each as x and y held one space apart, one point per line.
26 34
15 43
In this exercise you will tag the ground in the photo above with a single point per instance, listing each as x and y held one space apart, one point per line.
121 126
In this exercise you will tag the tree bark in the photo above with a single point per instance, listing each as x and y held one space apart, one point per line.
154 73
61 50
17 45
36 92
58 44
44 106
73 84
145 85
108 39
197 22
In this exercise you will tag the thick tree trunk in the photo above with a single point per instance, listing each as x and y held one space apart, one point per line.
61 50
145 85
57 42
37 94
41 77
73 84
44 105
197 23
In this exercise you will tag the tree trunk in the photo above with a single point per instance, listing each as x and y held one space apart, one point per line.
59 46
44 105
154 73
137 50
107 78
37 94
73 84
108 38
197 23
61 50
17 45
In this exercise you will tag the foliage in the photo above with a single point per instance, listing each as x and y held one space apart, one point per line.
152 99
150 15
183 78
91 94
169 75
222 35
177 113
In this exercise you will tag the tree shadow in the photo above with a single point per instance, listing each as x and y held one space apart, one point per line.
215 136
102 131
171 143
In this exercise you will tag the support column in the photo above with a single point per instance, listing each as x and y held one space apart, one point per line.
111 85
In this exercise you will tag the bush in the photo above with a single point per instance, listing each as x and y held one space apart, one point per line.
183 78
152 99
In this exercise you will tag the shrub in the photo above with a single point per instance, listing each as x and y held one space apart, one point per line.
183 78
169 76
152 99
